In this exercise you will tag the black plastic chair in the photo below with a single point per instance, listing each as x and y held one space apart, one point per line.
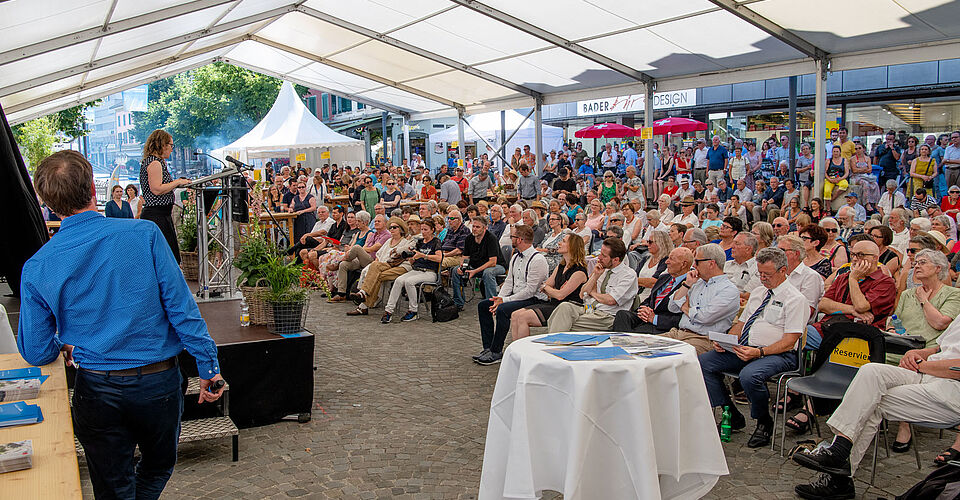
829 380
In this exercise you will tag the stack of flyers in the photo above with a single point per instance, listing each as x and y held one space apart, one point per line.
16 456
19 388
19 413
637 344
572 339
32 372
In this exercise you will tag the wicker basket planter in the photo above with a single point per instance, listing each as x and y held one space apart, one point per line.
259 308
189 263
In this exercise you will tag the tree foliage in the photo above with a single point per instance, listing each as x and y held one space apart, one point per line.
70 121
36 139
208 107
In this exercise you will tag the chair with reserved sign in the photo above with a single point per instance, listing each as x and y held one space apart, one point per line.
845 348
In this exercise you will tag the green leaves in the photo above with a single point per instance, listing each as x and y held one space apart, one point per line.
254 258
283 281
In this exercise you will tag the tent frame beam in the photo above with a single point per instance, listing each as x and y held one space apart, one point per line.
786 36
108 91
100 31
558 41
353 97
355 71
497 152
437 58
131 72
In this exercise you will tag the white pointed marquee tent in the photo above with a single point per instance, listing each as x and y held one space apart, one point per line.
289 130
487 127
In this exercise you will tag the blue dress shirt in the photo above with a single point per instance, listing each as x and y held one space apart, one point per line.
112 289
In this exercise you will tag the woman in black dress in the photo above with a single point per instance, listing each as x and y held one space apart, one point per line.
304 205
563 285
158 186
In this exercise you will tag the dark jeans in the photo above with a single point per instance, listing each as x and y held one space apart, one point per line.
112 415
493 338
628 321
309 245
753 377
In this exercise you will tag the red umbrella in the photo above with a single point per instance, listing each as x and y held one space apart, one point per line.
675 125
605 130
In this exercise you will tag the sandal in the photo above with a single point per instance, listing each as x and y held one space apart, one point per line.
799 426
792 404
945 457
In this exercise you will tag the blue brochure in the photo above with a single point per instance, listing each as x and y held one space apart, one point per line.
19 413
590 353
572 339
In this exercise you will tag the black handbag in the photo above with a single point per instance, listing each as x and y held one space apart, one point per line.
442 306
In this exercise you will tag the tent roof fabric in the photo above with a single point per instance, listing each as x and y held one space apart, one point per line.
289 124
424 57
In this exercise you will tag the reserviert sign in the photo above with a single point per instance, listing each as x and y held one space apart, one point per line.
636 102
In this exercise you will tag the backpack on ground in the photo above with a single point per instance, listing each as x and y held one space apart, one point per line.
442 306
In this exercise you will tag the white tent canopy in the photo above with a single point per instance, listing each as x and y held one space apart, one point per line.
288 130
488 125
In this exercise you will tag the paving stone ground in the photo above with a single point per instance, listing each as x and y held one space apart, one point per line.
400 411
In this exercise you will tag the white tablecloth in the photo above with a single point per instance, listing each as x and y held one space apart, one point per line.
594 430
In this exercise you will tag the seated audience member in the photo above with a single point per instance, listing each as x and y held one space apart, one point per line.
927 311
742 269
483 259
865 293
890 257
707 299
770 201
612 287
388 266
764 233
521 288
921 389
834 249
454 240
359 257
563 285
424 267
769 329
781 226
848 226
804 279
654 315
530 218
695 237
497 221
686 216
898 221
922 241
659 247
731 227
321 228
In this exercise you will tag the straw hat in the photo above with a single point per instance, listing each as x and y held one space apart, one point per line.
941 239
688 200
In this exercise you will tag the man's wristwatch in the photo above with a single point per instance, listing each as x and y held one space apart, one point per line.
684 284
761 352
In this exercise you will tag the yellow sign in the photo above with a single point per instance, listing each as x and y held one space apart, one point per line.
256 174
455 144
851 352
301 157
325 155
646 133
460 162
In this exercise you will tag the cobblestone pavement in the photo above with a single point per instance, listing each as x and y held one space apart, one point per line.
400 411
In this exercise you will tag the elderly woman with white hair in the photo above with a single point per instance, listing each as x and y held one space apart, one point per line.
530 218
833 249
663 206
925 311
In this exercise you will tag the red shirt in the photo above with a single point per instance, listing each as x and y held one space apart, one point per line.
946 205
670 190
878 288
428 193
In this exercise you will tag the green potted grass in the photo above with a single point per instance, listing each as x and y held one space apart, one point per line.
287 301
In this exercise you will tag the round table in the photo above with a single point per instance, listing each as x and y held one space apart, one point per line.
613 429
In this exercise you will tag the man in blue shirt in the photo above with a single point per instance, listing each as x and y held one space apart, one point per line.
109 295
716 161
630 156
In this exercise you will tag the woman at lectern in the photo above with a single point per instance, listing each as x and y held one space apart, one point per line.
158 186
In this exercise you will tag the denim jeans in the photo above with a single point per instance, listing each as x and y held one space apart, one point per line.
488 277
753 377
112 415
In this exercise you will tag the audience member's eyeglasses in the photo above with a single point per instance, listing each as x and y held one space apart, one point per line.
912 251
700 260
394 227
861 255
806 238
779 224
831 230
921 262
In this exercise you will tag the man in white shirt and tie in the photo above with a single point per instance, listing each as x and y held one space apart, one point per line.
611 288
521 288
768 330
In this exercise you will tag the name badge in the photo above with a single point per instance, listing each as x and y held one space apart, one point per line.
777 303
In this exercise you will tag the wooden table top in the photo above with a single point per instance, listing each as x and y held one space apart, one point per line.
53 224
55 473
278 216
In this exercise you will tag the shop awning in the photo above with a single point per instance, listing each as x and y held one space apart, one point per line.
429 57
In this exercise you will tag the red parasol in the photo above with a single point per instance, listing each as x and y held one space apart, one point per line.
605 130
675 125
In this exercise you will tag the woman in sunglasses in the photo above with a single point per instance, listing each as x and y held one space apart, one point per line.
834 248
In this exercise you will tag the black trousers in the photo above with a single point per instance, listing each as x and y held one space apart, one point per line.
627 321
161 216
309 245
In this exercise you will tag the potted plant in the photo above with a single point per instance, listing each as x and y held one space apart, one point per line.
253 260
287 300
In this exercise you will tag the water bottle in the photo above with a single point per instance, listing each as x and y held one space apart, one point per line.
725 428
244 312
897 325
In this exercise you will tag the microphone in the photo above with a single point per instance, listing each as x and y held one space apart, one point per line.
236 162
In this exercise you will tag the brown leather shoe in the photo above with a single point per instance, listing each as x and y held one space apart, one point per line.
337 298
358 312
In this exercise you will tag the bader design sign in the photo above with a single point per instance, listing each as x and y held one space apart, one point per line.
635 103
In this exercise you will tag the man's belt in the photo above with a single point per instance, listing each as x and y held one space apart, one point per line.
157 367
